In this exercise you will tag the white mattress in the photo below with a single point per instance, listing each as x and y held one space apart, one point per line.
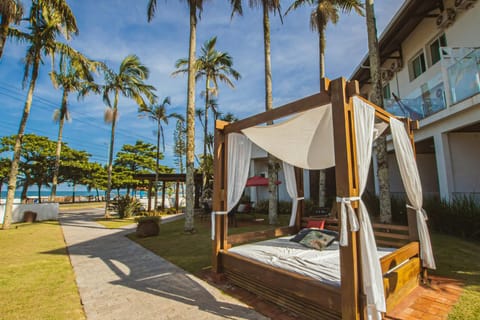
284 254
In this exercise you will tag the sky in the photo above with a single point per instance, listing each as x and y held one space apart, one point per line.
110 30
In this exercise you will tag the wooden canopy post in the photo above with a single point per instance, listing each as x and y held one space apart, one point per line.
219 194
346 175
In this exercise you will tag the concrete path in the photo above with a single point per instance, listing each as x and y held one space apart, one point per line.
118 279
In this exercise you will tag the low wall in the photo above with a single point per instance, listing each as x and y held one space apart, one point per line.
45 211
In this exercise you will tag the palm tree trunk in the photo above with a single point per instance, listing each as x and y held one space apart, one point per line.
377 98
205 138
12 180
272 171
190 182
59 146
321 173
157 165
110 156
3 34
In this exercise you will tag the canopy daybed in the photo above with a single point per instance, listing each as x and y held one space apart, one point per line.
335 127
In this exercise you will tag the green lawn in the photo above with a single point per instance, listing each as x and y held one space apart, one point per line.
460 259
81 205
114 223
36 277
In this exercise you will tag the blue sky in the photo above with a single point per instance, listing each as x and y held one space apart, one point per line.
112 29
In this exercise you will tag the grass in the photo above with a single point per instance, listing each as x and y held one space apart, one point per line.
36 277
115 223
460 259
191 252
81 205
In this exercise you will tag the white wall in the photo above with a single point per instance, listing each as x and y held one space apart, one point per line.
465 150
45 211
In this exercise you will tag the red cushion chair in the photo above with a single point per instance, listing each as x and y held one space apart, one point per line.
319 224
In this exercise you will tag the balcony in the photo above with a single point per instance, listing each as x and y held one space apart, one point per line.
461 69
424 101
458 80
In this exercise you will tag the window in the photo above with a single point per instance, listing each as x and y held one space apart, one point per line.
386 92
417 66
435 56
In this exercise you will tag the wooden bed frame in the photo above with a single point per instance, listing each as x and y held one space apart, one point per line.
305 296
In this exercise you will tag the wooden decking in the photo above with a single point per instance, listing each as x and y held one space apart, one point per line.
432 302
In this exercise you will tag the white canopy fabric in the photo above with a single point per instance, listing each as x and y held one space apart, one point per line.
304 141
238 162
413 187
291 184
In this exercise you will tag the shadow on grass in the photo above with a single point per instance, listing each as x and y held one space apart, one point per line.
138 269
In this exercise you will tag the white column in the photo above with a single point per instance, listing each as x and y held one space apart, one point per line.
444 165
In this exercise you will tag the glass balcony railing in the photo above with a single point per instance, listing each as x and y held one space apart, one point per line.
461 71
424 101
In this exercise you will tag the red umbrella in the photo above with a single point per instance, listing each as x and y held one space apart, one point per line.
259 181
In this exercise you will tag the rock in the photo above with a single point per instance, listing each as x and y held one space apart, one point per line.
147 228
29 216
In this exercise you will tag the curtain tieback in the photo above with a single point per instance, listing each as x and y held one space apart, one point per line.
346 207
299 198
213 221
421 211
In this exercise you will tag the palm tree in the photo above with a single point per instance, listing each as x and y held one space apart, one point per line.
194 6
158 113
47 20
213 65
267 6
377 98
325 11
11 11
129 82
71 76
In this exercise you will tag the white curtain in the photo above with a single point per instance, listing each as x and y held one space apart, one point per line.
413 187
364 117
291 185
238 162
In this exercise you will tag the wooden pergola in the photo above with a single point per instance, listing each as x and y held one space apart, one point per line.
170 177
293 291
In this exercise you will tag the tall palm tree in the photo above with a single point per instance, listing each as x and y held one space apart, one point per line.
47 20
214 66
325 11
11 11
129 81
72 75
267 7
194 7
158 113
377 98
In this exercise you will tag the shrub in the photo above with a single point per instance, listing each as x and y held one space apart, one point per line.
127 206
147 218
459 217
284 207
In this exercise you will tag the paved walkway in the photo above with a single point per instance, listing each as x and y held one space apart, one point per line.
118 279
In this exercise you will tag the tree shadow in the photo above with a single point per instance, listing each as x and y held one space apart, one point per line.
137 268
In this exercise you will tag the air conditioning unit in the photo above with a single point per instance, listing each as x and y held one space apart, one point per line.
396 65
446 18
386 75
464 4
